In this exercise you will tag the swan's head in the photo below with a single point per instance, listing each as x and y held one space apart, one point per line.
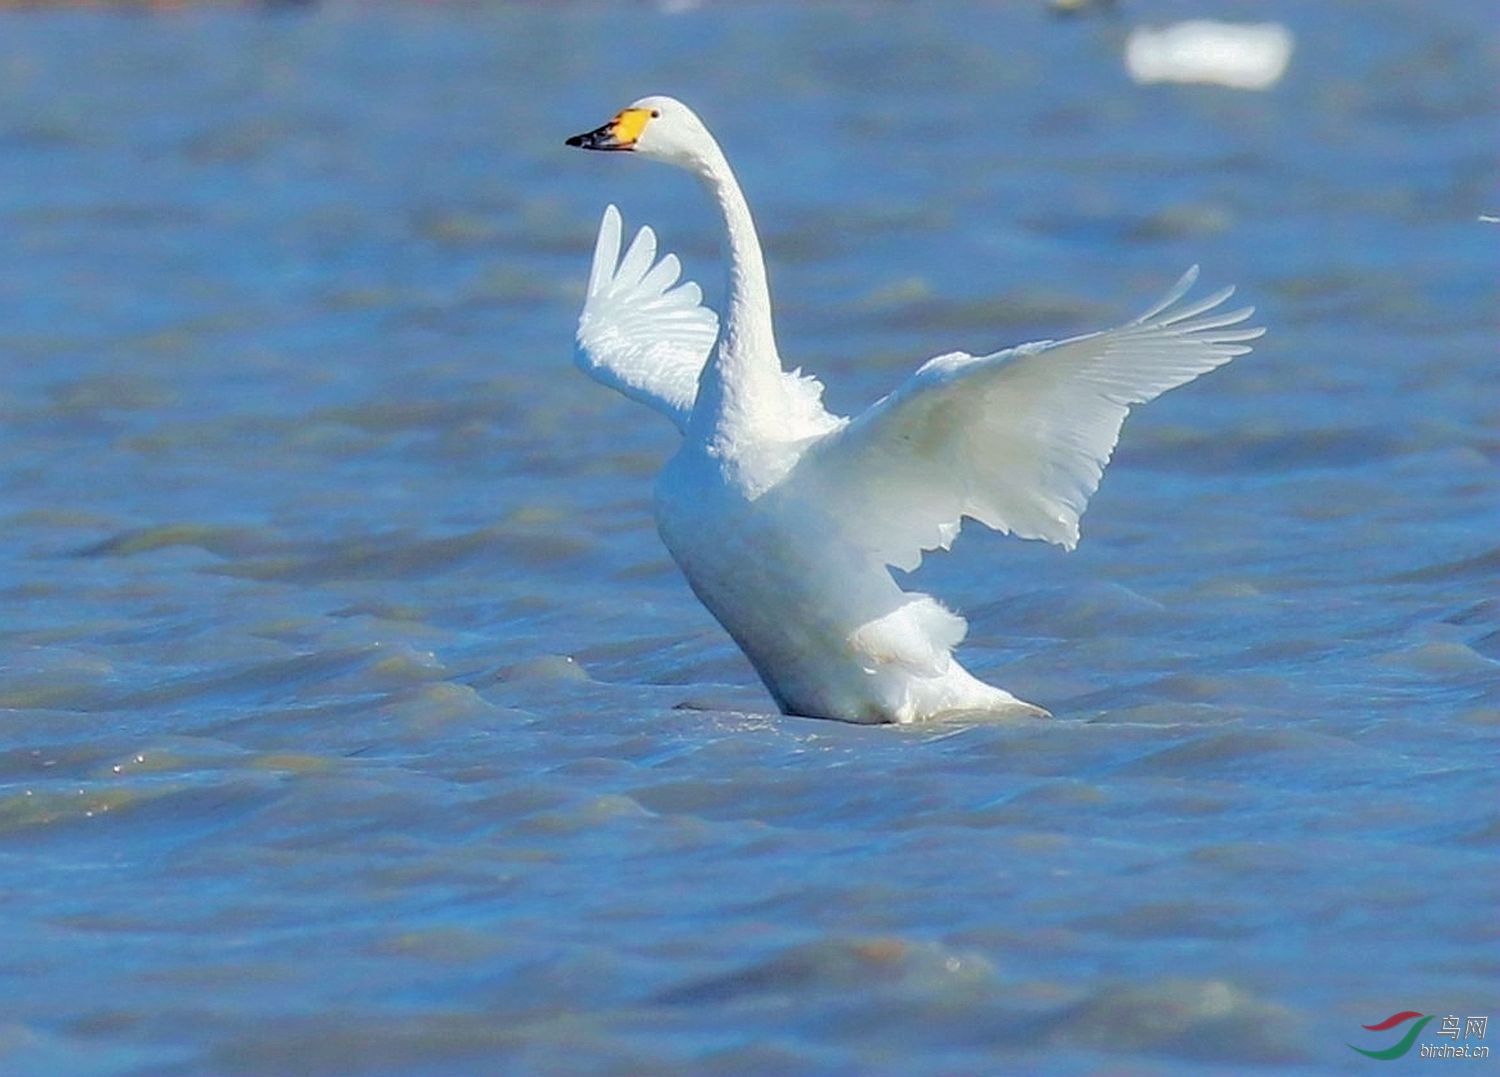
659 127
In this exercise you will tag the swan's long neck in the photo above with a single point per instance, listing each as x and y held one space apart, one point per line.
740 386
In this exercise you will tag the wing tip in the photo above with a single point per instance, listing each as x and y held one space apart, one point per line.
1198 317
606 250
1174 293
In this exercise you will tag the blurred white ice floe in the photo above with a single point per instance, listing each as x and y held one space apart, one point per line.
1080 7
1244 56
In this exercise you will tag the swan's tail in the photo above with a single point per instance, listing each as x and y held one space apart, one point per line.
918 636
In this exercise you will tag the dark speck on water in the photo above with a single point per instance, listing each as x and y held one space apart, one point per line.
353 719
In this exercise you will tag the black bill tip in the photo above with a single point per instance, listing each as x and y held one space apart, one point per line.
600 138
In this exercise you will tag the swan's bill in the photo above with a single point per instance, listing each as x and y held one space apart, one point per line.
620 133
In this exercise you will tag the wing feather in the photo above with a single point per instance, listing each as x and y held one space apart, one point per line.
1017 440
638 333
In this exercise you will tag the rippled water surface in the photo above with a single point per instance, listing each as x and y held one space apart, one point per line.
354 721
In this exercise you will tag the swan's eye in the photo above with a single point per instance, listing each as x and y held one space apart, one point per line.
656 114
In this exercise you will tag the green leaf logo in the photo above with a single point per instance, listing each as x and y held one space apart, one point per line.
1401 1046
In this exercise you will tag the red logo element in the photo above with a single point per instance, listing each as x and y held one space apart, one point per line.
1392 1020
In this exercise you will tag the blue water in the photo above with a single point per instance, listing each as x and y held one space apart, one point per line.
354 721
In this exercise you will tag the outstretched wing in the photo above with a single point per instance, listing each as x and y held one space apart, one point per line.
638 333
1019 439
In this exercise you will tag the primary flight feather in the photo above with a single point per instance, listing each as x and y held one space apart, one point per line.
786 519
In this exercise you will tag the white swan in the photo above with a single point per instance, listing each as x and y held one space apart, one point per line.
785 518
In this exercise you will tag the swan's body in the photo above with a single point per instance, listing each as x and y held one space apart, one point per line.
785 519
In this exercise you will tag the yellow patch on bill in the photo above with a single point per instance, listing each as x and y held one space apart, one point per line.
628 125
